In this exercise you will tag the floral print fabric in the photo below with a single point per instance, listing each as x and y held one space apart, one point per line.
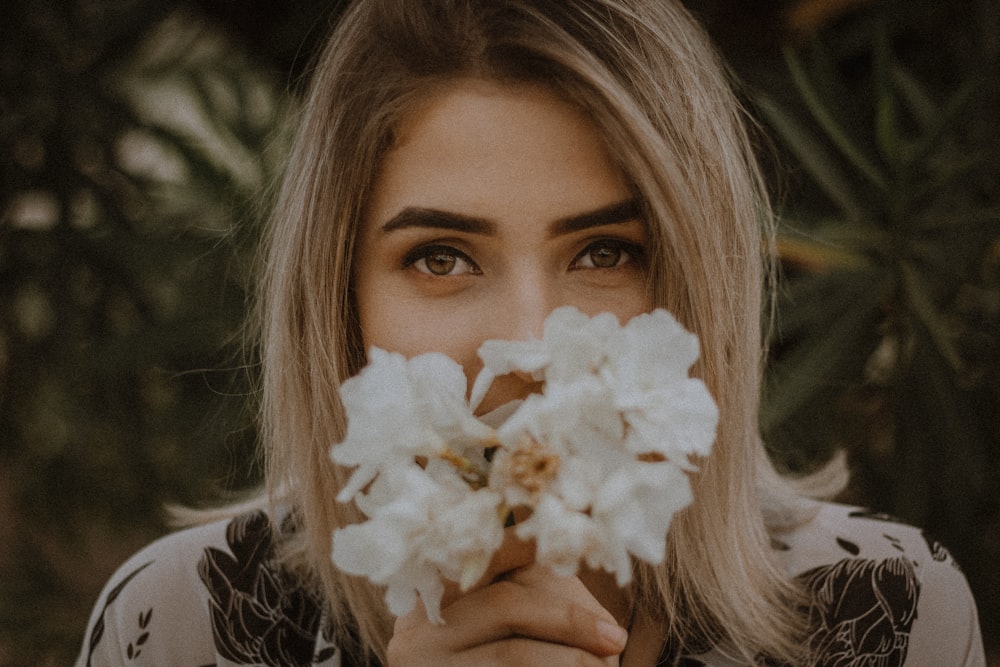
259 615
883 595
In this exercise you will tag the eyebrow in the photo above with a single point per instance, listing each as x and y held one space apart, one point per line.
615 214
414 216
435 219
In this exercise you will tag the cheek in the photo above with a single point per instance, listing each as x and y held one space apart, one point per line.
625 303
408 326
395 317
635 302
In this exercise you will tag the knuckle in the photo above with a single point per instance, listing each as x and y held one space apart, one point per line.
577 616
505 593
506 653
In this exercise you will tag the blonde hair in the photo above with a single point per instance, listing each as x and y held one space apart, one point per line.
656 90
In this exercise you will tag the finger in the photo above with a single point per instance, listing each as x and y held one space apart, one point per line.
531 653
551 585
516 651
514 553
560 611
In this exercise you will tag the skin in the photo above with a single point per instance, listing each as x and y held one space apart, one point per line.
496 205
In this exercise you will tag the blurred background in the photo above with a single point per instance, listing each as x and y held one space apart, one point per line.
139 143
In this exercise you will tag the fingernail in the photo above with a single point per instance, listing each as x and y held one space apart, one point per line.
612 633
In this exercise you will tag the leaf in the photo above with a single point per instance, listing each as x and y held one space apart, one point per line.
816 254
829 124
911 91
964 222
826 73
938 429
927 313
823 355
820 164
950 114
887 137
809 302
854 243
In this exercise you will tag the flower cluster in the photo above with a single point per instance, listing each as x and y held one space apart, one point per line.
598 460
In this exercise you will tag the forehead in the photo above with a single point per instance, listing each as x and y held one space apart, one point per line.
477 144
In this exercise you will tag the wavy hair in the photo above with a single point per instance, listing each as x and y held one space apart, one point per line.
657 91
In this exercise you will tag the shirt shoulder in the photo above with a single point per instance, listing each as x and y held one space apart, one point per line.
206 595
882 592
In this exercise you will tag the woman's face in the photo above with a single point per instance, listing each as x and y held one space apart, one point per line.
496 205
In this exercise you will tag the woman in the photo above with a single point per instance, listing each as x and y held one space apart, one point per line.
462 168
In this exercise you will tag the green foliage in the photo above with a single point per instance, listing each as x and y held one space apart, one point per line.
137 147
888 341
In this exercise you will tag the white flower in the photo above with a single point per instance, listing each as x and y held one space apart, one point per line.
422 528
598 460
633 511
399 409
572 345
668 412
562 534
615 426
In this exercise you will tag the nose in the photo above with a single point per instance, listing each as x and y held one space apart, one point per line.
516 310
528 300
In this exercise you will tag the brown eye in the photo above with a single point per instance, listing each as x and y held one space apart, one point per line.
608 254
605 257
440 263
438 260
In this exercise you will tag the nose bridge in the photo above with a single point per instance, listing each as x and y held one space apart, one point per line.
530 295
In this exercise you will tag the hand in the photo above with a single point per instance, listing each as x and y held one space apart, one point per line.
518 614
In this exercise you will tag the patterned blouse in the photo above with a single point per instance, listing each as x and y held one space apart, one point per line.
883 595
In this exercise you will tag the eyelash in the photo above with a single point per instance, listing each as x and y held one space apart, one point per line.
423 253
634 251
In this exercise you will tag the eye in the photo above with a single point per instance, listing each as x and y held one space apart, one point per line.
607 254
437 260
